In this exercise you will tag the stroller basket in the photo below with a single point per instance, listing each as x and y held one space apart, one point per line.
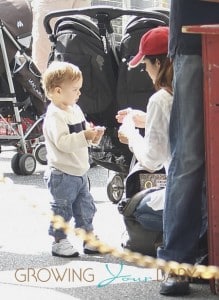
9 128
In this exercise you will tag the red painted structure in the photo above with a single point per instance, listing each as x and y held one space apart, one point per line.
210 57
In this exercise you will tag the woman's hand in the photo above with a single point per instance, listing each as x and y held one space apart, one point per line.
139 119
138 116
123 138
121 114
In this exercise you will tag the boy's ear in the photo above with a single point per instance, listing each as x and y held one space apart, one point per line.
57 90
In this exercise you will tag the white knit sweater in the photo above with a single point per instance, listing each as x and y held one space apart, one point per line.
67 147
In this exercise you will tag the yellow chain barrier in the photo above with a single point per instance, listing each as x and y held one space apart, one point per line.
183 269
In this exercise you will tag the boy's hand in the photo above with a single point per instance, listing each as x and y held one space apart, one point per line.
94 134
99 133
90 134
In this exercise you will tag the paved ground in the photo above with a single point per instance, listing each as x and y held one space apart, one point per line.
28 271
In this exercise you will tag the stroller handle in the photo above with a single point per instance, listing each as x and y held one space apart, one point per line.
104 14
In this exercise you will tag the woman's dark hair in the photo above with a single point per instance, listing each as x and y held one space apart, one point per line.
165 75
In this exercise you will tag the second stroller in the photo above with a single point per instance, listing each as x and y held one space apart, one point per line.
22 101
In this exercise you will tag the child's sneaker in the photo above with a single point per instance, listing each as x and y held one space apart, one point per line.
90 249
64 249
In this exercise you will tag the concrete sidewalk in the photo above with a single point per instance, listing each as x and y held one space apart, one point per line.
27 269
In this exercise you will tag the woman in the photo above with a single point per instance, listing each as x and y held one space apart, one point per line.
153 150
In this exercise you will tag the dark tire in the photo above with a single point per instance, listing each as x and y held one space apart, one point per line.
115 188
40 154
27 164
15 164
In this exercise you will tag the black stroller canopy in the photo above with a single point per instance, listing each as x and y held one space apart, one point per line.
16 16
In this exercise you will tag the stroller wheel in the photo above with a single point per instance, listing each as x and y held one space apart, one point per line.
40 154
115 188
15 163
27 164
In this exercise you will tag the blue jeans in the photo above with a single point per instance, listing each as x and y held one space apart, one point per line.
71 198
184 192
149 219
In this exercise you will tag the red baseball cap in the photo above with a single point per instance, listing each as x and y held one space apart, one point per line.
153 42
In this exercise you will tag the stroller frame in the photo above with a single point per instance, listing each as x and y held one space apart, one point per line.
20 134
23 163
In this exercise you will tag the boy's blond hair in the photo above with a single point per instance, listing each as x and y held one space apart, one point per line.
58 73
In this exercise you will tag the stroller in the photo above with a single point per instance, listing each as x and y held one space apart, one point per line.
108 84
22 101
